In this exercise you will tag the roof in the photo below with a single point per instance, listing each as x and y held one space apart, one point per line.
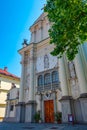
6 73
40 18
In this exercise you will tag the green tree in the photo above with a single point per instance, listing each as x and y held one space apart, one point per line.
69 25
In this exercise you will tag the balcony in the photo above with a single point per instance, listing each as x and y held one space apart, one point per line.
47 87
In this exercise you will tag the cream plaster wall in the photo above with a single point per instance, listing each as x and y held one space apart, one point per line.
6 83
2 111
5 86
3 96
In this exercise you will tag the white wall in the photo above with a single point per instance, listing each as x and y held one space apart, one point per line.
14 93
53 60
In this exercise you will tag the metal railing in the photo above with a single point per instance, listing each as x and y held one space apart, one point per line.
47 87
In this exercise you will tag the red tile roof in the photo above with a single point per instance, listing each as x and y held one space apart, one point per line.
6 73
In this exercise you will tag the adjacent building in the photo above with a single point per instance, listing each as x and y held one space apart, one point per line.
12 100
6 81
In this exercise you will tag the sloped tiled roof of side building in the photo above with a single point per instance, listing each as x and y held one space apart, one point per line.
6 73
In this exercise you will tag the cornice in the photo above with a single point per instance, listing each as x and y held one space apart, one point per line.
3 90
29 46
2 105
47 71
9 77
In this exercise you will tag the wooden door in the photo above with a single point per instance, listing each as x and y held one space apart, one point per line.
49 111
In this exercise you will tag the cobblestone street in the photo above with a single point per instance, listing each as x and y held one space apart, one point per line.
42 126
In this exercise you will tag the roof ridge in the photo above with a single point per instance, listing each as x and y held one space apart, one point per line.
38 19
4 72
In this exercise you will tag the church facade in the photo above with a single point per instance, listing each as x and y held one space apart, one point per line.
49 84
40 85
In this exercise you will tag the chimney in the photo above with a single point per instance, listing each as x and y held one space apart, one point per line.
5 68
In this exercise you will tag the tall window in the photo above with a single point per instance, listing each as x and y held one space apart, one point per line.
54 76
11 107
47 79
40 80
46 61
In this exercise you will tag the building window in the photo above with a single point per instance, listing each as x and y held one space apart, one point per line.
46 61
47 79
40 80
54 76
11 107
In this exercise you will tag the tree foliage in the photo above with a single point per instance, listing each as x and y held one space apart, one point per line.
69 25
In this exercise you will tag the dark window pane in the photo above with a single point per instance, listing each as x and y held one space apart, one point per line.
11 107
55 76
40 80
47 79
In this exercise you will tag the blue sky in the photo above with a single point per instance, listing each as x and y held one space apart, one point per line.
16 16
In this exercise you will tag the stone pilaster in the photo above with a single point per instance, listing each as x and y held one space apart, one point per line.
63 77
40 31
32 34
83 102
83 53
21 93
31 88
30 111
20 112
38 99
66 99
20 107
66 105
80 74
31 104
80 70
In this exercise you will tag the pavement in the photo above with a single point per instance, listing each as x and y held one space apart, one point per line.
40 126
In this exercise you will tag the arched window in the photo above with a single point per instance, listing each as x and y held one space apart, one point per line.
46 62
47 79
54 76
40 80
